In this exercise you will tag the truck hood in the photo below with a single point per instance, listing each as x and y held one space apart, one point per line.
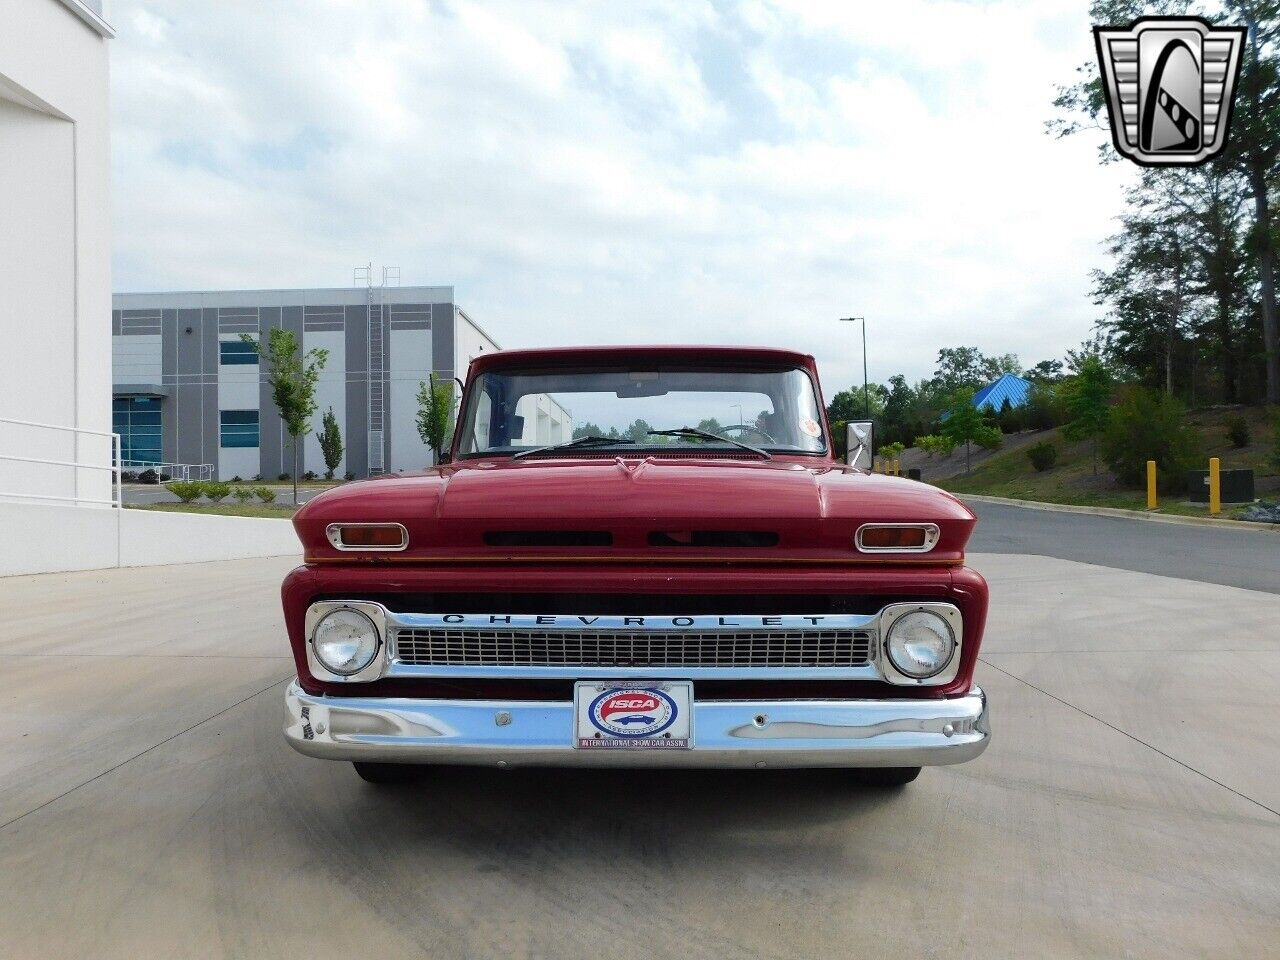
636 509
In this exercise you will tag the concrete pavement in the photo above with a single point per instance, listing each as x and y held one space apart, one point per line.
1243 557
1126 807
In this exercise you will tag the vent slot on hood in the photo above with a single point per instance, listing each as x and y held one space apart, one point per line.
548 538
712 538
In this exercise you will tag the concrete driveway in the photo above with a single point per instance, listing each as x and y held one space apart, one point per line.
1126 808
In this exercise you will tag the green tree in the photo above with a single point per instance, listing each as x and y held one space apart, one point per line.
1088 405
590 429
292 376
330 443
1147 425
968 368
435 413
638 432
1247 170
853 404
1046 371
966 424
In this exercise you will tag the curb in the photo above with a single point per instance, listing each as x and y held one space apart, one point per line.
1130 514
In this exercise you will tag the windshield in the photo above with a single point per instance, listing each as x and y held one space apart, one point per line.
513 410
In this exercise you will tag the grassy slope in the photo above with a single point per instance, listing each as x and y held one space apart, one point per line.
1072 479
234 509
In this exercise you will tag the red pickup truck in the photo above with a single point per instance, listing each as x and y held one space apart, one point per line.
637 556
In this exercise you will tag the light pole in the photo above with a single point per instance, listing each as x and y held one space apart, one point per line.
739 406
866 397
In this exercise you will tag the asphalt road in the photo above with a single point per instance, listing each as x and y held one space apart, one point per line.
149 807
1244 557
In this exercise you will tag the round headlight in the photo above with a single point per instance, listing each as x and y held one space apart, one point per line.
920 644
345 642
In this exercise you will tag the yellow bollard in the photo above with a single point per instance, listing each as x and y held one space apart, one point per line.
1215 485
1152 501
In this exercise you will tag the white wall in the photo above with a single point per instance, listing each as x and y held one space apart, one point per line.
55 242
469 341
409 366
331 391
63 537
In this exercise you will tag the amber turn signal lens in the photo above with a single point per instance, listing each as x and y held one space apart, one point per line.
383 536
892 538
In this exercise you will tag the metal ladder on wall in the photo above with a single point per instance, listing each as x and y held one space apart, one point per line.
378 320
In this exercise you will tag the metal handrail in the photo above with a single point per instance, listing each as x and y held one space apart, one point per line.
117 492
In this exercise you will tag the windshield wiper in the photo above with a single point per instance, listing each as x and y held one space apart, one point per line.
708 435
590 440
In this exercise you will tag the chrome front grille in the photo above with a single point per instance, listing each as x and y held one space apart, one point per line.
478 647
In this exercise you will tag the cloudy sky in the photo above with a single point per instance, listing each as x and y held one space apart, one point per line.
592 171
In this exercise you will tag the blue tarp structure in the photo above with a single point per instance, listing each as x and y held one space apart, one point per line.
1009 387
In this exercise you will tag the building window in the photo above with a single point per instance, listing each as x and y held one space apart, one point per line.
238 428
137 420
236 351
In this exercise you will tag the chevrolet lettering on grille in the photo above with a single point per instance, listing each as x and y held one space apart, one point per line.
622 623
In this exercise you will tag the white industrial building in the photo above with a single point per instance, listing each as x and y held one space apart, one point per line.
55 252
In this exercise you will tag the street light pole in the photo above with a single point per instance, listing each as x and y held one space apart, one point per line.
739 406
866 397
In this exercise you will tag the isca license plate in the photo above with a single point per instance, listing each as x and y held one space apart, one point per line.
621 715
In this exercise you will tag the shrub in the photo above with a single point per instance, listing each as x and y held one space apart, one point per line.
128 476
1275 453
217 492
237 479
1043 455
349 476
935 443
1046 408
1012 419
148 476
285 476
265 494
257 478
891 451
187 490
309 475
989 439
1144 426
1238 432
243 494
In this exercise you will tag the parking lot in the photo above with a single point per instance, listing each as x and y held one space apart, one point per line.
1128 805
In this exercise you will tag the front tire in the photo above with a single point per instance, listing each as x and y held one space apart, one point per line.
385 773
886 776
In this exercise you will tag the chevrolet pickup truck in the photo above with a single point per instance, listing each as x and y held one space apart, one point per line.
637 556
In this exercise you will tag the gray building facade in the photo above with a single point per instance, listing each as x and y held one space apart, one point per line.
187 390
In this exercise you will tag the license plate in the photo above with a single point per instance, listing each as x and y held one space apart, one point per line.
623 715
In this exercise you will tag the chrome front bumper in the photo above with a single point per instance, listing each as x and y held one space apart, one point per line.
739 733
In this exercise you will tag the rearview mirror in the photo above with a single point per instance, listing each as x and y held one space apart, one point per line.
860 436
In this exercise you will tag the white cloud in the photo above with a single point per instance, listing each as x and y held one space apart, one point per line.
584 172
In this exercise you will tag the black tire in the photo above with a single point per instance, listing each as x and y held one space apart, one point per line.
386 773
886 776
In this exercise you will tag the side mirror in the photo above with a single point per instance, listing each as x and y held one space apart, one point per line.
860 435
